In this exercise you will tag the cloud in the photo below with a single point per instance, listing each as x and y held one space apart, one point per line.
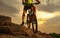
14 3
54 20
52 25
49 8
10 7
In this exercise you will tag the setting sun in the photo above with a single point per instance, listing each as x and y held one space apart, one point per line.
41 14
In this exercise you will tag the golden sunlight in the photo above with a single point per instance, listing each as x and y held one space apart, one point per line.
41 14
44 16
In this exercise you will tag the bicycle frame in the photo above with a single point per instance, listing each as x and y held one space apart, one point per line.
31 19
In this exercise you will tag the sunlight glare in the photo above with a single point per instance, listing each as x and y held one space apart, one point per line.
41 14
44 16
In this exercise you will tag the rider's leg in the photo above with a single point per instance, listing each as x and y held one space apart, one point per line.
23 16
34 10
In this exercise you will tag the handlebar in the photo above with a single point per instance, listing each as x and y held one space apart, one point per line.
35 3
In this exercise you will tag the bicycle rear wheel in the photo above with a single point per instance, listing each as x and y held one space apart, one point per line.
28 20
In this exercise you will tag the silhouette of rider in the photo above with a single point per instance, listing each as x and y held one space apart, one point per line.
28 5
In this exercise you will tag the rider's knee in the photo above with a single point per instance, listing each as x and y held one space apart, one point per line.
34 8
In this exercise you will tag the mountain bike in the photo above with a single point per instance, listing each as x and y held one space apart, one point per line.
32 20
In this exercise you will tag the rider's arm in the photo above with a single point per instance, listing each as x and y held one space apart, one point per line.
38 1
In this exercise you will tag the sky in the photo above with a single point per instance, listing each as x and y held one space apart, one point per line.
48 15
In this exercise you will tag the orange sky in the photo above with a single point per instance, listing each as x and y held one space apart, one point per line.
47 22
48 16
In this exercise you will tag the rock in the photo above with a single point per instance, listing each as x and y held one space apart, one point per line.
8 36
12 30
5 20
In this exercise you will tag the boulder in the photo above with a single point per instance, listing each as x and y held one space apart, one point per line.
12 30
5 20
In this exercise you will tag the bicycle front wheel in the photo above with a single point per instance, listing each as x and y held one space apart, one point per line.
34 24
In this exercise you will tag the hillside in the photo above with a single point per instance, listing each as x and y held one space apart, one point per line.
12 30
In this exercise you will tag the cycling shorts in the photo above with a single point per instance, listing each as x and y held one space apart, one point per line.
26 7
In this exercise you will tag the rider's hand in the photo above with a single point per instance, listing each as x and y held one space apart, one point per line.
38 2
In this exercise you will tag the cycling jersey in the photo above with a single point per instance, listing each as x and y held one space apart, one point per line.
28 1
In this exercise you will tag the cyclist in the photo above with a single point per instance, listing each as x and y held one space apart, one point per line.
28 5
